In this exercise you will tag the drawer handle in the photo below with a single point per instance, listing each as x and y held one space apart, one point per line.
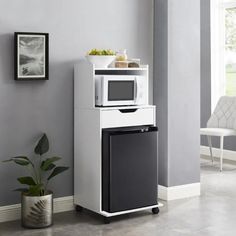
128 110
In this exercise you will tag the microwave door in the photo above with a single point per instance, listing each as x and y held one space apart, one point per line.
120 91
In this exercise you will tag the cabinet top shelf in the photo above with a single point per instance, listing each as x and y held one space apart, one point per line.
85 74
124 107
89 66
142 67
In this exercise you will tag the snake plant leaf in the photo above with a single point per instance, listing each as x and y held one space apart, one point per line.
8 160
50 167
42 146
21 162
21 157
35 190
21 190
57 171
17 158
48 163
26 180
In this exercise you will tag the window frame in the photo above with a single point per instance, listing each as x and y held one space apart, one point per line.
218 78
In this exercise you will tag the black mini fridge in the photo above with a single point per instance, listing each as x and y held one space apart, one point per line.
129 168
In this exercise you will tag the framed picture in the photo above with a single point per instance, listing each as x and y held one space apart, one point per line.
31 56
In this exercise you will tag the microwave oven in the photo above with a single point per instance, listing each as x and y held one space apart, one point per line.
121 90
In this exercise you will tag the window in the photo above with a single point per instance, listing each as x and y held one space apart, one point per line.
230 50
223 49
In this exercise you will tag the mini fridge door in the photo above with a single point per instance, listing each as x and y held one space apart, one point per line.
129 167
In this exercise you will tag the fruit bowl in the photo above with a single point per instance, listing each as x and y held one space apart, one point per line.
101 61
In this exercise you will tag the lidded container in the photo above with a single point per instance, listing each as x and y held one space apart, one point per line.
121 55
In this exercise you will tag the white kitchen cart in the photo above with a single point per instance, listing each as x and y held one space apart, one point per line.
89 122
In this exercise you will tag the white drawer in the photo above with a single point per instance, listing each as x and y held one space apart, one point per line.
127 117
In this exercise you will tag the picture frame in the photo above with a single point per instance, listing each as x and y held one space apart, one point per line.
31 56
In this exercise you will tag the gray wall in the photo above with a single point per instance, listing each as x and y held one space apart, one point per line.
205 62
205 66
178 110
29 108
160 84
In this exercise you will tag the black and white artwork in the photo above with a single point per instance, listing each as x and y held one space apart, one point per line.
31 56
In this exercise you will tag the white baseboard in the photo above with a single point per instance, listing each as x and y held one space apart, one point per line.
13 212
179 192
227 154
63 204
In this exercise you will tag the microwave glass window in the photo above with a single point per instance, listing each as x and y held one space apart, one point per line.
120 90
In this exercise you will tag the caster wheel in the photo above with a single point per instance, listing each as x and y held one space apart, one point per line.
106 220
78 208
155 210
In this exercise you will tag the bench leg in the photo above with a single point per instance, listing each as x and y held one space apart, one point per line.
210 146
221 152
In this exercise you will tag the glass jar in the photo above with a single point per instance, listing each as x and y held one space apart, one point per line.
121 55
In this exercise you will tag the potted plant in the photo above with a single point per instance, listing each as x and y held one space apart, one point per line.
37 201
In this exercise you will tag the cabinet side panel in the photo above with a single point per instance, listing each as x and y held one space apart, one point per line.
84 88
87 159
105 171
